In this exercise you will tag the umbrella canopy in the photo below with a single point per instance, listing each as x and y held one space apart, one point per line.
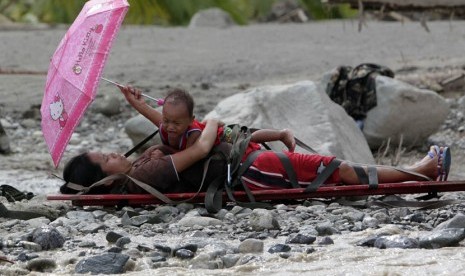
75 70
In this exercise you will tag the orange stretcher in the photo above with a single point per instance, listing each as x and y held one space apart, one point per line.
327 191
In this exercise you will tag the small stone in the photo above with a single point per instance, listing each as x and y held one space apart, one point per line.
41 265
278 248
121 242
113 236
48 237
184 254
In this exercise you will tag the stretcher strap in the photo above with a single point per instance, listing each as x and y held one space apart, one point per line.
289 169
410 172
419 175
284 161
361 174
372 177
151 190
238 149
323 176
141 143
214 195
243 168
304 146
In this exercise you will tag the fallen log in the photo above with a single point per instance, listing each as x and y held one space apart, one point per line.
404 5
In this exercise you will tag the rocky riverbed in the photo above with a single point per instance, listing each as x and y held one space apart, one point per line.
317 237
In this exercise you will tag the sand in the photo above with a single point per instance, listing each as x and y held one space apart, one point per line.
215 63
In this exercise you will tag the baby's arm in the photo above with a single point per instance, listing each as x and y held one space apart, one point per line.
134 98
269 135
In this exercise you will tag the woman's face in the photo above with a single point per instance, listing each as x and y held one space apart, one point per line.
111 163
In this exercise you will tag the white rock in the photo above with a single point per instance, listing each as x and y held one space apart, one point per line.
304 108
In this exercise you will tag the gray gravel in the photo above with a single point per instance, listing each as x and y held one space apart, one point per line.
213 64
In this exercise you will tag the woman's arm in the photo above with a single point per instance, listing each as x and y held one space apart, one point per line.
134 98
193 136
200 149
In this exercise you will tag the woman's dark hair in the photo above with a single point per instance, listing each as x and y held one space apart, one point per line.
179 95
81 170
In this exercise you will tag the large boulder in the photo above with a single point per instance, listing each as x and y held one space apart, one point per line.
4 141
403 112
304 108
138 128
212 18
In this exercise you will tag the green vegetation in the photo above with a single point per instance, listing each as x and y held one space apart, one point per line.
162 12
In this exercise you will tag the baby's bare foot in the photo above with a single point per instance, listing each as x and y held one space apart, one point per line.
288 139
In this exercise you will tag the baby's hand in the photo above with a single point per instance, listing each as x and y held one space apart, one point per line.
132 95
287 137
128 91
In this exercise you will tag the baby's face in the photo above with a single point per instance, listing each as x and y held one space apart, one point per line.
176 119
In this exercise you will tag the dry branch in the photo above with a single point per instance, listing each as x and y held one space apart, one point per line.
404 5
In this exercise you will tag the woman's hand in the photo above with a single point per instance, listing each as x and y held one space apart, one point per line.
219 122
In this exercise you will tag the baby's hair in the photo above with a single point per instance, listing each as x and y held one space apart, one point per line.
179 95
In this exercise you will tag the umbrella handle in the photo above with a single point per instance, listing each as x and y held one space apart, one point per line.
112 82
158 101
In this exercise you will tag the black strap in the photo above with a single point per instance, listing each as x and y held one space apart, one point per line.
372 177
12 194
284 161
151 190
140 144
251 204
428 196
214 194
323 176
238 149
245 166
304 146
238 179
289 169
361 174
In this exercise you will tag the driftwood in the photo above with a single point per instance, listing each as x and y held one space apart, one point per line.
404 5
450 7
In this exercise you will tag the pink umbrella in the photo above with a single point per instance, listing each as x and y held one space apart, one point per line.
75 70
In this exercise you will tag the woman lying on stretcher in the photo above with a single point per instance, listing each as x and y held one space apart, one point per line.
169 172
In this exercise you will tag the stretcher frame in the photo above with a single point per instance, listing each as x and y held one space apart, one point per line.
327 191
